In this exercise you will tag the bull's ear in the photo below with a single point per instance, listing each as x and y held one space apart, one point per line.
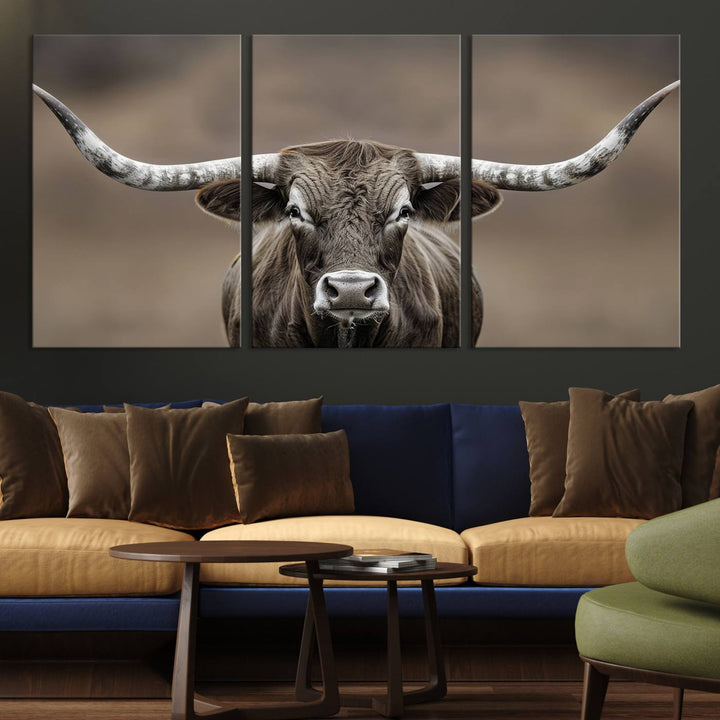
222 199
440 202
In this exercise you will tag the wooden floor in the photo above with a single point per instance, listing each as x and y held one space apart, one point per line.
465 701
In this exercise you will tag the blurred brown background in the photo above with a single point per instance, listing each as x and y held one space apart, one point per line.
115 266
597 264
400 90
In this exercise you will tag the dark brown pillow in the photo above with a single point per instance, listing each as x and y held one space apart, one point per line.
291 475
624 457
282 418
32 473
179 471
546 429
702 439
97 463
121 408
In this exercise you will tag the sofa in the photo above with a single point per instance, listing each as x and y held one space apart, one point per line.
450 479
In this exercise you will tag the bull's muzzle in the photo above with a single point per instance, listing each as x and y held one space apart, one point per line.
350 295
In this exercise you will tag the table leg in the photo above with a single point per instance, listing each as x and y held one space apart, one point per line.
185 704
436 688
321 704
329 702
303 678
183 684
392 704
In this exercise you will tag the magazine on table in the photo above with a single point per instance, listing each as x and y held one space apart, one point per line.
381 561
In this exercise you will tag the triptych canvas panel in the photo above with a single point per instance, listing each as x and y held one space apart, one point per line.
356 194
114 266
596 264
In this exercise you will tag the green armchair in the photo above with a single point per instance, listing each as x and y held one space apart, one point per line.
665 628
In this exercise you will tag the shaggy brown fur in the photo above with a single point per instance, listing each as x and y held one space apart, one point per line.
350 189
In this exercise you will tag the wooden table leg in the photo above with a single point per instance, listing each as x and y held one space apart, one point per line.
436 688
186 706
183 684
392 704
329 701
303 678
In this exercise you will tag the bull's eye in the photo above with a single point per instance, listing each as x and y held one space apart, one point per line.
293 212
406 212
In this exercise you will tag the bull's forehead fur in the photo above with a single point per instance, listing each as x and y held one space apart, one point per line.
355 172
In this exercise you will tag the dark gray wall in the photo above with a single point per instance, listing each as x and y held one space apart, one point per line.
379 376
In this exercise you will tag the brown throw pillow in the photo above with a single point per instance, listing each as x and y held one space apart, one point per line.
546 430
282 418
32 473
702 439
179 471
291 475
624 457
97 463
121 409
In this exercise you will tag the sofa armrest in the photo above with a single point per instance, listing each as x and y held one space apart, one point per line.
679 553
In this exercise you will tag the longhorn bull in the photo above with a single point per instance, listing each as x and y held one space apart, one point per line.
348 247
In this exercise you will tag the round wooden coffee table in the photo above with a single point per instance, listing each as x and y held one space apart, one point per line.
392 704
185 705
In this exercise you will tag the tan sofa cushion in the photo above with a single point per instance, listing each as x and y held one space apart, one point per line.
547 551
362 532
58 557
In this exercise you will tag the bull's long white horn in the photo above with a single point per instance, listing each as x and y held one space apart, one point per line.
553 176
147 176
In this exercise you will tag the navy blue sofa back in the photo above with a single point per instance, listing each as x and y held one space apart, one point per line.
400 459
491 476
457 466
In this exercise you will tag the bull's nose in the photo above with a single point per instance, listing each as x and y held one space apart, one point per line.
351 291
